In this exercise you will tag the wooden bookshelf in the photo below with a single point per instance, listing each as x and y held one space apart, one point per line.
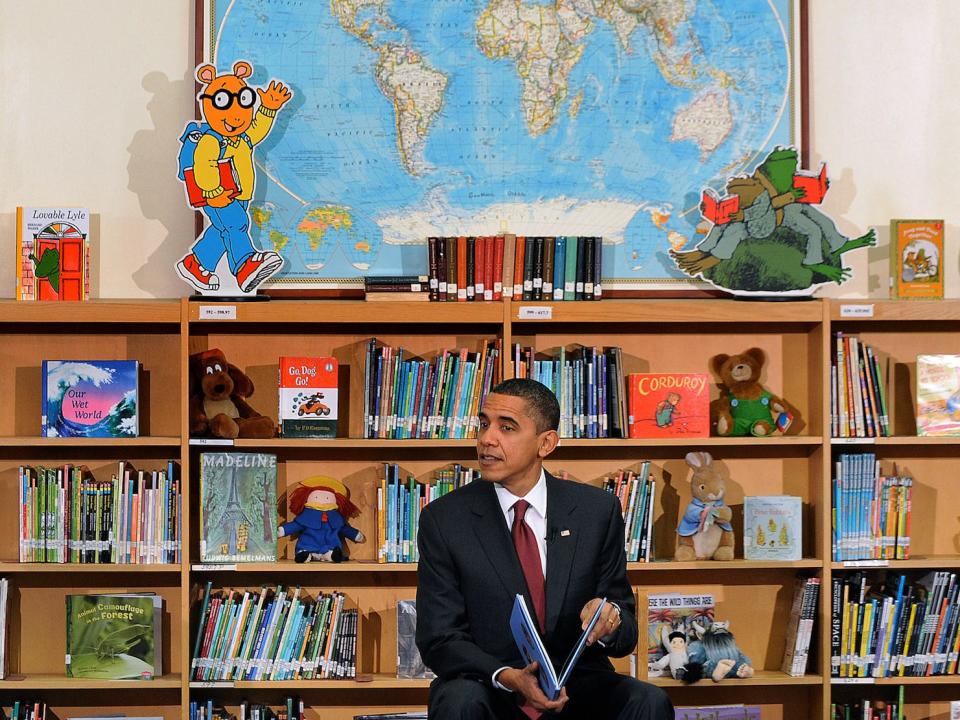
656 336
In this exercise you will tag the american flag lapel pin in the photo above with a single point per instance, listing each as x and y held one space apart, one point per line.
564 533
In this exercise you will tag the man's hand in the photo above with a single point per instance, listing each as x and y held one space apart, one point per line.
524 682
275 97
607 624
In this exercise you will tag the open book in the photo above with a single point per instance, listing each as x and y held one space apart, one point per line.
525 634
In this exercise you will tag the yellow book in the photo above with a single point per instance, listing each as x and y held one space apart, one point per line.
906 640
844 631
864 640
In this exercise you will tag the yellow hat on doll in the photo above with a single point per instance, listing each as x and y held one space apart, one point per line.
327 482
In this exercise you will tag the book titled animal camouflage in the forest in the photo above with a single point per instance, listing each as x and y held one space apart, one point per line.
238 507
114 637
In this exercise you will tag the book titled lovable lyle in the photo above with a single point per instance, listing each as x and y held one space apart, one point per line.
90 398
308 397
53 253
668 405
531 647
772 527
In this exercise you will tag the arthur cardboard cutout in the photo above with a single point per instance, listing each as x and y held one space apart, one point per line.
217 169
766 236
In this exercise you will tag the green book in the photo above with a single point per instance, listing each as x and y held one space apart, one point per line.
114 637
570 267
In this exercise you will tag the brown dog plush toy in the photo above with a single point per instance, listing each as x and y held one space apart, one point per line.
217 400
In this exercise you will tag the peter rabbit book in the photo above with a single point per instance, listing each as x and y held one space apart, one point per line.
114 637
308 397
938 394
53 253
238 507
668 405
90 398
667 612
772 527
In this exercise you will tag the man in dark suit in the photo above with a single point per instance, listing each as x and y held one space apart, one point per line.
522 531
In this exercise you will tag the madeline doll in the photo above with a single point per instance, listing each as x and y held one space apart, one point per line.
322 507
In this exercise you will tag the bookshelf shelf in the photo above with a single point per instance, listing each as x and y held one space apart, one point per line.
43 681
117 443
85 568
906 440
898 311
672 565
669 312
149 313
366 682
316 567
762 677
932 562
354 312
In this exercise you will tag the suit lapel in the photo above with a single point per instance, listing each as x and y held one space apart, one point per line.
562 538
494 540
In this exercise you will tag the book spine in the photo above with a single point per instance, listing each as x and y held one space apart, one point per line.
452 289
474 281
570 267
434 281
499 279
581 268
538 250
461 294
519 266
441 268
549 250
488 267
529 249
589 270
598 268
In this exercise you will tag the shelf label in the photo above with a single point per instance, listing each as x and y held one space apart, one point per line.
211 441
536 312
851 681
856 311
218 312
853 441
214 567
865 563
212 684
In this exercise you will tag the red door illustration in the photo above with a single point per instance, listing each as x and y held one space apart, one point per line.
71 245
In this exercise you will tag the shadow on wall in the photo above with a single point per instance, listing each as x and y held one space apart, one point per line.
152 171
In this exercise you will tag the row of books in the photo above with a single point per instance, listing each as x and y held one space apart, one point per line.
871 511
274 634
26 710
894 628
636 493
800 626
406 397
868 710
471 268
858 402
589 385
399 505
293 709
67 516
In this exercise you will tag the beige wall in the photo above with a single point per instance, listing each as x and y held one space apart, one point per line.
95 93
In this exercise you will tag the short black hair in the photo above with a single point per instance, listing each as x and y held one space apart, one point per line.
542 402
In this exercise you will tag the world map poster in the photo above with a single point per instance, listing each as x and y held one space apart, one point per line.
413 119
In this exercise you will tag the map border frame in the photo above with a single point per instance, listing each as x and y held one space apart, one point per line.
798 108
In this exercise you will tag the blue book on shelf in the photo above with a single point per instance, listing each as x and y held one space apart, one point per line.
90 398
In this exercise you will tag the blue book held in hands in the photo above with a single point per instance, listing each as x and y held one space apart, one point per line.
531 647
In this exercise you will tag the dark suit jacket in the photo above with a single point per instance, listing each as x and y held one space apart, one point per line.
469 575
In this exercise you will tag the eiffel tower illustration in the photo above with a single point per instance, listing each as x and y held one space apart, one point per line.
233 515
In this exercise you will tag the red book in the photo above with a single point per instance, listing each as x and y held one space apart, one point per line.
488 268
814 186
668 405
497 267
482 278
518 268
462 268
228 179
718 211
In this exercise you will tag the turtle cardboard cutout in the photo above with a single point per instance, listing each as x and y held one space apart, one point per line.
766 237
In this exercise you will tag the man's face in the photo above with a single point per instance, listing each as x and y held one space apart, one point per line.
508 445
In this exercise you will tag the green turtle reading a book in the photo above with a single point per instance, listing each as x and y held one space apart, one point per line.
771 238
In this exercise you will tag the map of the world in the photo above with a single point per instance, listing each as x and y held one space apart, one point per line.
418 118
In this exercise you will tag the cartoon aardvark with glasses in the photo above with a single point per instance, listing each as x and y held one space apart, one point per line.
216 165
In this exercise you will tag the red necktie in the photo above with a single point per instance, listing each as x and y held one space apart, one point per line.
529 554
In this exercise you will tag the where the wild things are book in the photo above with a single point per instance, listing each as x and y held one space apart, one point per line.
238 507
673 612
114 637
90 398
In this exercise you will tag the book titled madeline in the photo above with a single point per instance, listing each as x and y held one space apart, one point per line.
90 398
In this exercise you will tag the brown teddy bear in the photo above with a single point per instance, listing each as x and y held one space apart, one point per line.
745 407
217 404
705 531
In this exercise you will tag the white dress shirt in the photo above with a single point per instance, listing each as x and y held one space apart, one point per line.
535 517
